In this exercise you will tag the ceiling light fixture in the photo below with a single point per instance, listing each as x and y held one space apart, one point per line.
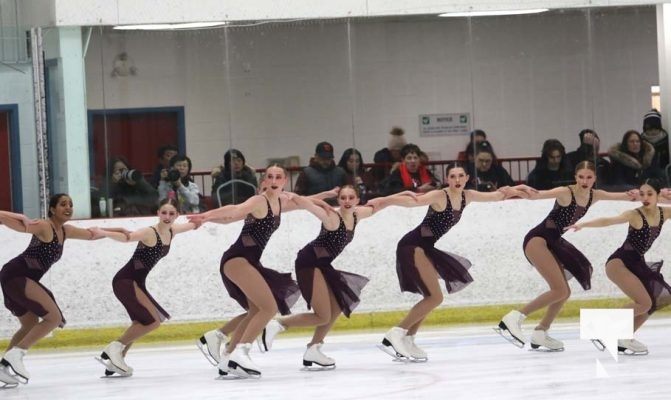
170 27
492 13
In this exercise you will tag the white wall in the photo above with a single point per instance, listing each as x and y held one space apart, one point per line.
108 12
187 281
288 87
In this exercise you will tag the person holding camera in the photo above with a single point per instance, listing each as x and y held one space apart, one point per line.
485 172
177 182
131 193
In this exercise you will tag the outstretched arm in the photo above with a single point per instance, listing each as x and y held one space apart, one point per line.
317 207
402 199
229 213
21 223
631 195
626 217
120 235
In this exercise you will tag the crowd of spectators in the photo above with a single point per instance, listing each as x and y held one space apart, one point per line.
397 167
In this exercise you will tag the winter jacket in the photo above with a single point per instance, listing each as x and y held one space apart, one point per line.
629 171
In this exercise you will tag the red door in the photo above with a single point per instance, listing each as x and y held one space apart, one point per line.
135 136
5 165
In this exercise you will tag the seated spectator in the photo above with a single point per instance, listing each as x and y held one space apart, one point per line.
231 173
656 136
321 175
589 151
486 175
477 136
632 162
552 169
177 182
356 175
131 194
410 174
390 155
164 154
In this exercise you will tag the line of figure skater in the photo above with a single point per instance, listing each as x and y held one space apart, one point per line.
263 292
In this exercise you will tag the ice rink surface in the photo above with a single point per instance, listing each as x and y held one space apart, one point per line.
464 363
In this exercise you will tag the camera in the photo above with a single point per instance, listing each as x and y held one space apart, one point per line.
131 175
173 175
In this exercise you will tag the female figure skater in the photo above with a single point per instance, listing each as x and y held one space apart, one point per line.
555 258
626 267
129 283
419 264
329 292
25 297
259 290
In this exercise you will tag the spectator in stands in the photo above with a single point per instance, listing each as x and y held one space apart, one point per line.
632 162
390 155
589 151
357 176
410 174
654 134
321 175
477 136
164 154
552 169
485 172
234 169
177 182
131 194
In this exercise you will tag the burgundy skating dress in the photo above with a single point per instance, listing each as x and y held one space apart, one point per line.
552 228
136 270
632 253
451 267
320 253
32 264
250 244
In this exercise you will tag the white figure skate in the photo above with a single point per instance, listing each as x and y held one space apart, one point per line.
416 353
510 328
631 347
210 345
7 380
394 344
541 341
112 358
265 340
313 355
240 364
12 361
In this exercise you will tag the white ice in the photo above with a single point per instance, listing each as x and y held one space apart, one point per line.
464 363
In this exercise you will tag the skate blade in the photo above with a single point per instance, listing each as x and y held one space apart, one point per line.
7 380
598 344
261 342
237 370
315 366
227 376
419 360
626 352
396 356
203 349
509 337
318 368
541 349
5 385
108 365
9 371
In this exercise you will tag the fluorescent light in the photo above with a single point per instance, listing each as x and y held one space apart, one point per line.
169 27
492 13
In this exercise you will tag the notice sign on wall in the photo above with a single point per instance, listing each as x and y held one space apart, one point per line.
444 124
